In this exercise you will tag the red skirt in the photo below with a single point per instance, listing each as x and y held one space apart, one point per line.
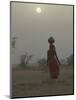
53 68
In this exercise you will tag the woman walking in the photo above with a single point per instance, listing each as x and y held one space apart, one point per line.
52 59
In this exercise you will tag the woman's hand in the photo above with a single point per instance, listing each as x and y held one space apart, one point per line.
58 60
59 63
47 61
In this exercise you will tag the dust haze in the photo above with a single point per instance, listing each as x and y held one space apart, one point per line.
33 30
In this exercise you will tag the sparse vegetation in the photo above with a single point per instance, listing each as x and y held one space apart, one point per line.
42 62
25 59
70 59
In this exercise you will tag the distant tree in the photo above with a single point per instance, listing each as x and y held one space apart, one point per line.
29 57
14 41
42 62
63 61
70 59
24 61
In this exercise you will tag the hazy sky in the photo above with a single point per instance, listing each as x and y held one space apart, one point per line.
33 29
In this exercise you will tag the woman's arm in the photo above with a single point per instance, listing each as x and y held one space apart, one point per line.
56 56
58 59
47 58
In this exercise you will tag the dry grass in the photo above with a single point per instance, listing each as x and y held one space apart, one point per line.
38 83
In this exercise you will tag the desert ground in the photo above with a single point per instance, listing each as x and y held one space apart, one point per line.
28 82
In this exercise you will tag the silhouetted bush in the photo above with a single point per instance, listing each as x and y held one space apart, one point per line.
24 61
70 59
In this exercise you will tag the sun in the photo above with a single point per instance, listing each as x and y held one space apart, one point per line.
38 10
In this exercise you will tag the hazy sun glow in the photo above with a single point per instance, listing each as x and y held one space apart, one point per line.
38 10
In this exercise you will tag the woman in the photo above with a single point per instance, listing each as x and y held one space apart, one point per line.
52 59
